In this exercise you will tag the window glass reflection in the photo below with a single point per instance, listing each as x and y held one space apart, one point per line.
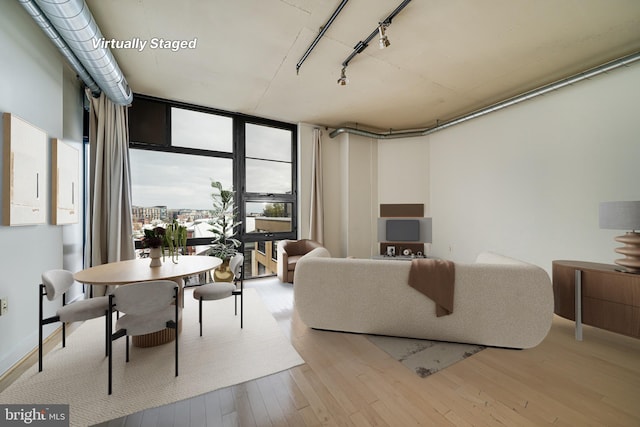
173 186
205 131
268 177
264 217
263 142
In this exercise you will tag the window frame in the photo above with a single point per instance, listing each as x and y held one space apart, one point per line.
246 197
239 164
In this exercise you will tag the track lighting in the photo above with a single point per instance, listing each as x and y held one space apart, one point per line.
384 41
343 80
362 45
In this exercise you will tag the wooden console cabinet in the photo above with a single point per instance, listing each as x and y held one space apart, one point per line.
597 295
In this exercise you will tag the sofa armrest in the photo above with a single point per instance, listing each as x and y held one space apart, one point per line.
319 252
494 258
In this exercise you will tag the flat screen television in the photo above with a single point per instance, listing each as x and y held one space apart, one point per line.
403 230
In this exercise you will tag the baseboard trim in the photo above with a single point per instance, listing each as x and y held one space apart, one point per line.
31 358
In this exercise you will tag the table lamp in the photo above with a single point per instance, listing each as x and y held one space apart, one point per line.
624 216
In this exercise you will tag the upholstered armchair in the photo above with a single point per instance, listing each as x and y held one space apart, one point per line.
289 252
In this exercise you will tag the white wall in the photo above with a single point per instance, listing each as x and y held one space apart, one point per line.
403 174
36 86
526 181
403 168
361 163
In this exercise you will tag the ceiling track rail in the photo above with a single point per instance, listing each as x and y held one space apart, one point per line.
323 30
362 45
593 72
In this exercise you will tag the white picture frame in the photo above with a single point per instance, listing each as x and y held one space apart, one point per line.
65 179
24 180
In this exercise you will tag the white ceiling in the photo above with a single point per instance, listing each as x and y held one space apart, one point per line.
446 58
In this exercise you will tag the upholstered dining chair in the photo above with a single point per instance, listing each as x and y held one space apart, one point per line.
220 290
55 284
148 307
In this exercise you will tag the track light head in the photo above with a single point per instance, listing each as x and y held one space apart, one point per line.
383 40
343 80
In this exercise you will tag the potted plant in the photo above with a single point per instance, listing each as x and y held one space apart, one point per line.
154 240
223 226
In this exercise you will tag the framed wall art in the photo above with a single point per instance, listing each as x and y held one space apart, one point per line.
24 180
65 175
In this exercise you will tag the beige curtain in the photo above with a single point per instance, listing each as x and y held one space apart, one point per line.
316 221
110 226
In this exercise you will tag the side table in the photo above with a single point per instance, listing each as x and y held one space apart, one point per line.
598 295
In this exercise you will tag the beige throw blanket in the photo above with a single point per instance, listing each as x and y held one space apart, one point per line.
435 278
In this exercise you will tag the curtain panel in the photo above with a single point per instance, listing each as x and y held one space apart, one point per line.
316 212
110 229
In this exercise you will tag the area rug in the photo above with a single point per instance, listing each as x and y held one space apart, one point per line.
424 357
225 355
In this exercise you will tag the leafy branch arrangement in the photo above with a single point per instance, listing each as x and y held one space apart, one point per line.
224 224
175 239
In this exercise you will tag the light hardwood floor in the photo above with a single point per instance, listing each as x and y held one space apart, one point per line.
348 381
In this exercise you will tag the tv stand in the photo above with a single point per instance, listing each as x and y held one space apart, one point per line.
399 257
403 211
400 247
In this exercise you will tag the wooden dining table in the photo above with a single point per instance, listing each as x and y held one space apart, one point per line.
138 270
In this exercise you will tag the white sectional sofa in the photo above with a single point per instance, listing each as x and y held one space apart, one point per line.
498 301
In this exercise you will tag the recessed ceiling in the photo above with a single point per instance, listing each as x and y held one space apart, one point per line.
447 58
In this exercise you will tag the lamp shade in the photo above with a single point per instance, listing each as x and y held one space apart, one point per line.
620 215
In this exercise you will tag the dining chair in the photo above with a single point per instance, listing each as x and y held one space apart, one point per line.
220 290
55 284
146 307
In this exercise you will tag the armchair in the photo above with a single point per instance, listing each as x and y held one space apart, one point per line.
289 252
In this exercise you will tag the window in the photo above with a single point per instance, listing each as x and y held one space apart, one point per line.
195 129
176 180
269 198
268 202
267 217
172 172
269 162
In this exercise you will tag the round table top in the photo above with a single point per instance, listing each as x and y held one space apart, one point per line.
138 270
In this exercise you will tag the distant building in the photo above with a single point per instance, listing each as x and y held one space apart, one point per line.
148 214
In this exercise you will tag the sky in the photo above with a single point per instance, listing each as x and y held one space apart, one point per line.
176 180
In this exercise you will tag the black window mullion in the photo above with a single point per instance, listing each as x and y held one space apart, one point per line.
238 157
238 172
